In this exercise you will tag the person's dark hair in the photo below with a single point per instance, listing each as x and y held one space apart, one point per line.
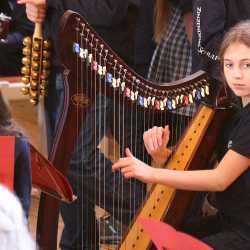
7 126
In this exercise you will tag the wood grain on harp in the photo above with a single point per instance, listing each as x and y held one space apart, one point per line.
36 65
91 67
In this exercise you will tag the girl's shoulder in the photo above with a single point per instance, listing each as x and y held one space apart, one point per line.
239 139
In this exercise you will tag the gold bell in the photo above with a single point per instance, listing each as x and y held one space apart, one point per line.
34 84
45 74
26 61
27 41
25 90
46 54
25 79
44 83
34 75
26 51
46 64
46 44
43 92
25 70
34 101
36 46
35 56
34 94
35 66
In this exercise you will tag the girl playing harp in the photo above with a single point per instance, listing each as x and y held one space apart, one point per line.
229 228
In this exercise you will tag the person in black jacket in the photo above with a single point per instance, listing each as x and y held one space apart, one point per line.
212 19
125 27
11 46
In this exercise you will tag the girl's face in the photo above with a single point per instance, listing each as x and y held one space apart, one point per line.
236 66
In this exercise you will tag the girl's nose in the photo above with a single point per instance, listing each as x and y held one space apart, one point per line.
237 72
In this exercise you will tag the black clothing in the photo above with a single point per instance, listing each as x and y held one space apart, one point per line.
212 19
22 176
234 203
11 47
108 18
229 228
184 5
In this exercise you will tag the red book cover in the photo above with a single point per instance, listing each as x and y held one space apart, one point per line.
7 161
165 237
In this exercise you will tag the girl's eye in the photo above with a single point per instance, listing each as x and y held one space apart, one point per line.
228 65
246 65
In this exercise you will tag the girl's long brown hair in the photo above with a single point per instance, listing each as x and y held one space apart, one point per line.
240 33
162 13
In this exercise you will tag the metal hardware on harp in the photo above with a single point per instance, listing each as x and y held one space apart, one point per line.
36 65
4 25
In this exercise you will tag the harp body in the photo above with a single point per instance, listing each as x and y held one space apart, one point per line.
91 66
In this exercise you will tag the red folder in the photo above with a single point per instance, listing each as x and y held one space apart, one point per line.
48 179
166 237
7 159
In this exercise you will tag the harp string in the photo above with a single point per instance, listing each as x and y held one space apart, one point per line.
92 79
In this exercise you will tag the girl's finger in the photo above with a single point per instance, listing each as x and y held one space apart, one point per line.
148 141
165 136
128 153
123 162
159 132
154 138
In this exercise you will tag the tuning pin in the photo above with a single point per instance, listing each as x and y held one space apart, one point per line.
35 66
25 79
46 44
46 64
26 61
25 70
27 41
25 90
46 54
26 51
36 46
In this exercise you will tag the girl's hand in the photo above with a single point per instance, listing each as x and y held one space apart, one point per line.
35 9
133 168
155 141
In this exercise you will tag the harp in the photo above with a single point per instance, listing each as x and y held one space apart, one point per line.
91 67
